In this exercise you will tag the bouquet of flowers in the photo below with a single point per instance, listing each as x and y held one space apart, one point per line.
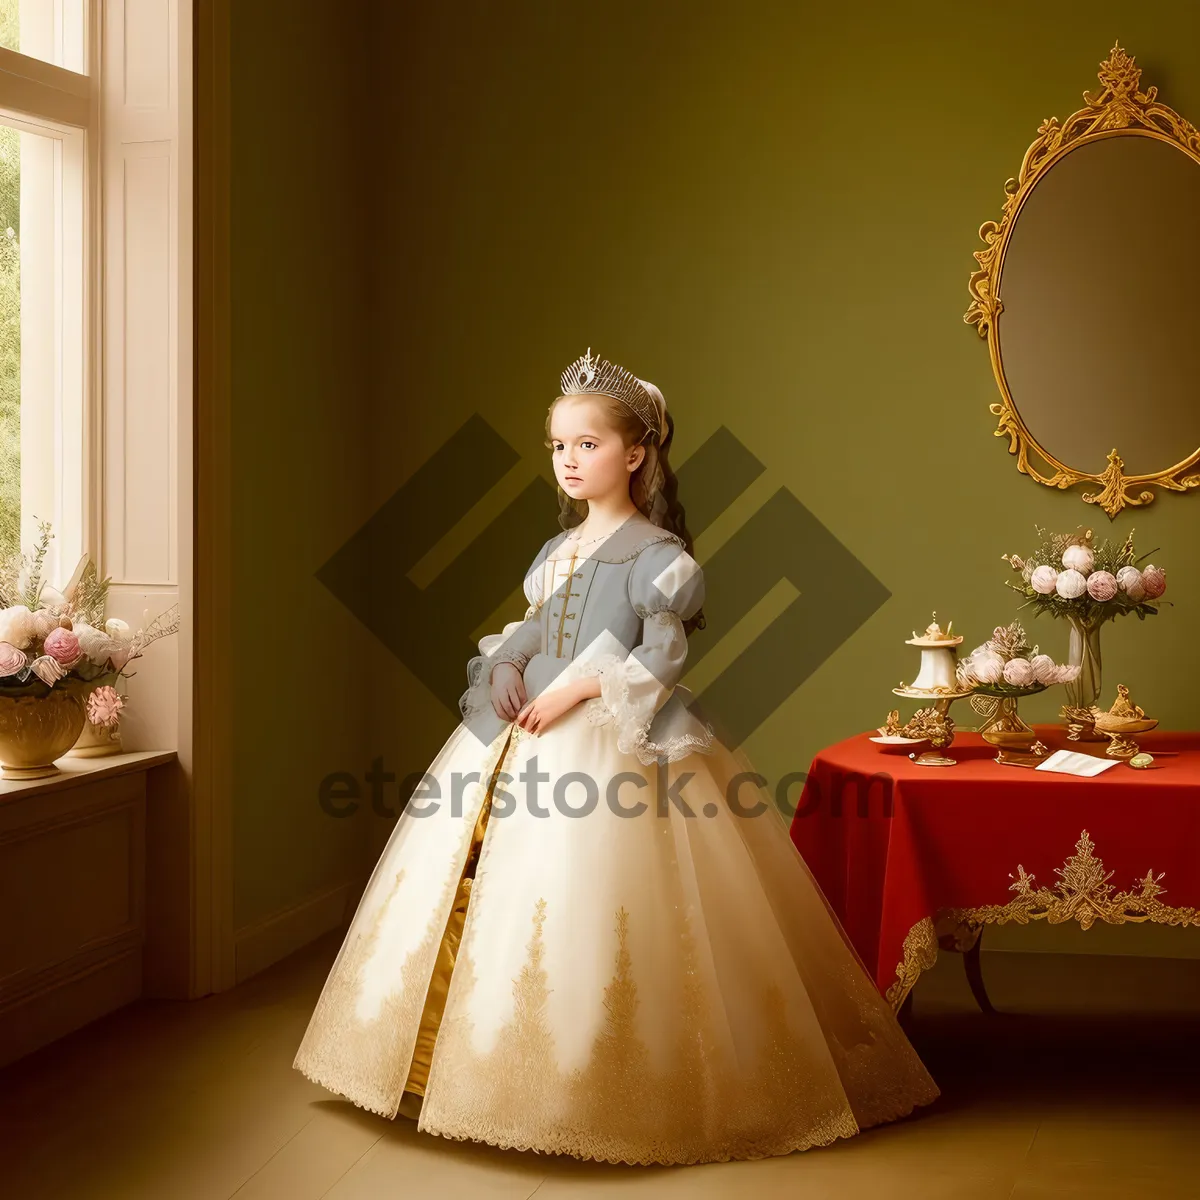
1069 577
48 636
1006 665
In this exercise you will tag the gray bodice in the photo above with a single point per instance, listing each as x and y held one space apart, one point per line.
618 613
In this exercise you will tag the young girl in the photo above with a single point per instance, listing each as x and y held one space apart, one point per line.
589 932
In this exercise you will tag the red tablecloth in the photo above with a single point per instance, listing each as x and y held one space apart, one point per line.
893 844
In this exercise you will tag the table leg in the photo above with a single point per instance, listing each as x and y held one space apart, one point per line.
974 972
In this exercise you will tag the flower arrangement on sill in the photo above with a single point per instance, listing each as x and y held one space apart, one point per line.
59 661
48 636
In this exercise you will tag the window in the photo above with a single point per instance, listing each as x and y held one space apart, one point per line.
46 127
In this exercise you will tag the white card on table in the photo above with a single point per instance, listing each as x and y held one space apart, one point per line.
1071 762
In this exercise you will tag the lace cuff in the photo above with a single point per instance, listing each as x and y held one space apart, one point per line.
517 644
630 703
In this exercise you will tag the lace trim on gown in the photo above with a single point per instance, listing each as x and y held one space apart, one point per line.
613 707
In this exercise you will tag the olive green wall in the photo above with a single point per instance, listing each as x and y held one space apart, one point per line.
771 214
770 211
299 427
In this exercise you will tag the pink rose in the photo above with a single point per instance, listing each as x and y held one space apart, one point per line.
63 645
12 660
104 706
1102 585
1154 581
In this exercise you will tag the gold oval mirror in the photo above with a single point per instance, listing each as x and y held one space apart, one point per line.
1086 294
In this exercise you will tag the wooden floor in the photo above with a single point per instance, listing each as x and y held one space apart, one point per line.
1091 1089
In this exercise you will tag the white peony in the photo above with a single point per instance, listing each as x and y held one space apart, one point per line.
1043 668
95 643
1079 558
1018 672
987 667
43 622
118 630
18 626
1129 580
1070 584
1043 580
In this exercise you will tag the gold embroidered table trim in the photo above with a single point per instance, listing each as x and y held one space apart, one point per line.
1083 894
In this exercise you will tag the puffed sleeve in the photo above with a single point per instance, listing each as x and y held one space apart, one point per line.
666 587
517 643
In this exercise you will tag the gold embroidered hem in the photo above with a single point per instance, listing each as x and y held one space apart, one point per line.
704 1107
366 1056
439 983
1083 894
604 975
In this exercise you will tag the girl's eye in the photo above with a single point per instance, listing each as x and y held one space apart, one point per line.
592 444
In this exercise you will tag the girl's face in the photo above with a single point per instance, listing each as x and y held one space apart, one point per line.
591 461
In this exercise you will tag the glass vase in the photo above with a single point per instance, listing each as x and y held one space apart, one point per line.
1084 651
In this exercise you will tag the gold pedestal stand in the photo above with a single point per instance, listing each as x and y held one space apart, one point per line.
937 681
1017 744
933 723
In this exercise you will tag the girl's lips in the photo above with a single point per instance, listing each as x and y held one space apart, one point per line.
572 479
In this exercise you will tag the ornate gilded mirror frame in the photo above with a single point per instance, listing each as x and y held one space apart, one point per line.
1118 105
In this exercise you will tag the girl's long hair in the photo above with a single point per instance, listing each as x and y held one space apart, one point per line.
653 487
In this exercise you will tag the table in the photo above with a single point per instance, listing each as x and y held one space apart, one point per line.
916 859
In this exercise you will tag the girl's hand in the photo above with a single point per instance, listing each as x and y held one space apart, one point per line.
508 690
540 712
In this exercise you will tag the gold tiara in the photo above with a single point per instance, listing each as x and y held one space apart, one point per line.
597 376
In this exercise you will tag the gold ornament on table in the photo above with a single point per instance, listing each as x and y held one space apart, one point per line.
891 736
892 727
1122 721
937 681
936 726
1002 670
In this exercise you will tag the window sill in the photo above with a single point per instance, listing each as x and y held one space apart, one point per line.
74 771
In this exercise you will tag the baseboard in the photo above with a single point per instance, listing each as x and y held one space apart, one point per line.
69 999
266 942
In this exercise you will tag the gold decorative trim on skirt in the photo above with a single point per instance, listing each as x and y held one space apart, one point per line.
439 982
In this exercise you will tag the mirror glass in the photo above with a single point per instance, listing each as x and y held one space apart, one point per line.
1100 287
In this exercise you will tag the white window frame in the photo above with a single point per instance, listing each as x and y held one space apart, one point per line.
59 445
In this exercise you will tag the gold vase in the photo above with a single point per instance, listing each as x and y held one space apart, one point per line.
37 729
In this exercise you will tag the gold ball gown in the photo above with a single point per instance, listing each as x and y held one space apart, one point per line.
600 940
